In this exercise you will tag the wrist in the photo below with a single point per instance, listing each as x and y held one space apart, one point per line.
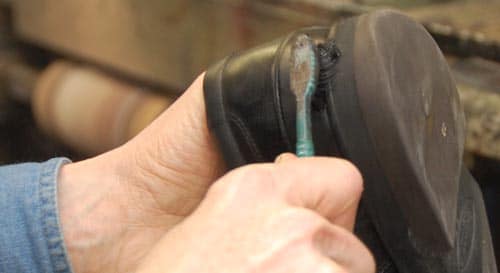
108 203
90 198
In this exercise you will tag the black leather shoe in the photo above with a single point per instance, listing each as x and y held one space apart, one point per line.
386 101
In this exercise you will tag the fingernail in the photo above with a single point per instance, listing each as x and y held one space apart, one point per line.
284 157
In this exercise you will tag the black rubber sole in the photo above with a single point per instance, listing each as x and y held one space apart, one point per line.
397 116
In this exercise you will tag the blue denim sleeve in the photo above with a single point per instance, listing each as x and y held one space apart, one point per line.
30 234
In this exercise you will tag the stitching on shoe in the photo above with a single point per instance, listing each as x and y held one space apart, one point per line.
246 135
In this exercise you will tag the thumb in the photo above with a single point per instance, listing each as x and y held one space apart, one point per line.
331 187
178 146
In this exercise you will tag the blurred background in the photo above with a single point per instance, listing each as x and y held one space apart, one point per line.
80 77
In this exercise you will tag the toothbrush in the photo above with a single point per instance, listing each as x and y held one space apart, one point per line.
303 79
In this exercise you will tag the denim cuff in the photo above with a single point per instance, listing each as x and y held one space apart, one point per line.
49 214
31 239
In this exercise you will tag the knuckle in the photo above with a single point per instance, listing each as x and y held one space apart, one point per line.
248 178
350 171
346 249
327 266
365 262
253 174
252 179
301 222
338 269
371 265
219 188
305 216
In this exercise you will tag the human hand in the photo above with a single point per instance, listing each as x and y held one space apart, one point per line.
115 207
294 216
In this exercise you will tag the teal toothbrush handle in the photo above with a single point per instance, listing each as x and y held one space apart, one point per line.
303 77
